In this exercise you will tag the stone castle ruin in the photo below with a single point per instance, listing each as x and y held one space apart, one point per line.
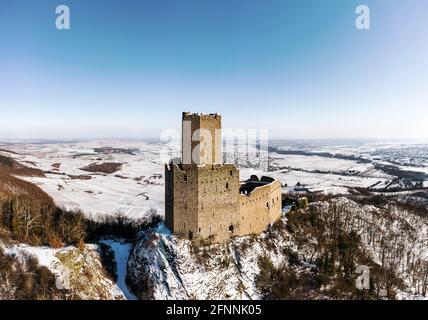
204 198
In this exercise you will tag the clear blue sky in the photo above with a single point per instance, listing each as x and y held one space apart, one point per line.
298 68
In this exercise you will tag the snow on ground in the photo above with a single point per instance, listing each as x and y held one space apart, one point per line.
327 183
45 256
312 163
79 272
121 254
176 271
410 296
390 237
139 184
223 271
134 189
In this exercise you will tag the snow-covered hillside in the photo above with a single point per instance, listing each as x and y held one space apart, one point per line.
162 266
79 274
170 268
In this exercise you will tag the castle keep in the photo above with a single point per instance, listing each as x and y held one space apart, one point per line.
204 199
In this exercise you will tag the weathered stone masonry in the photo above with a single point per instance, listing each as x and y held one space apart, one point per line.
204 199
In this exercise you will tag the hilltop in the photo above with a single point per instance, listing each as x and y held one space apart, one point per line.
311 254
10 166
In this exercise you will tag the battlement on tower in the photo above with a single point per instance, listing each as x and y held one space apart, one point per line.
201 116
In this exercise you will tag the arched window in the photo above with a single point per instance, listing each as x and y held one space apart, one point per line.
227 185
185 177
231 228
231 172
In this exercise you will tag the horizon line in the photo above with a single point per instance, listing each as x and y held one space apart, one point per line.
88 139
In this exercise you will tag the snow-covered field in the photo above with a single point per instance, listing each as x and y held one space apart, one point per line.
134 189
139 184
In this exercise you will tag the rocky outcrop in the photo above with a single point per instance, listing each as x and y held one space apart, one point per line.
389 239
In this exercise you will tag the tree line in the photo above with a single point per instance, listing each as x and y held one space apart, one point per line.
37 221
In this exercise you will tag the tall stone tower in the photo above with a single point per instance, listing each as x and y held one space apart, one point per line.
201 193
204 199
201 142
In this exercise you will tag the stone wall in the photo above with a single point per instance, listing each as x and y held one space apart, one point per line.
202 202
263 206
218 202
181 200
201 139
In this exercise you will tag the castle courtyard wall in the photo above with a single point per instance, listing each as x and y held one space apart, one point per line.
260 208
